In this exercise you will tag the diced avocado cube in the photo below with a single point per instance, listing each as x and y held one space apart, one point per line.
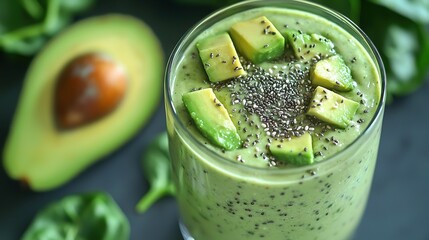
296 151
219 57
212 118
332 108
257 39
332 73
308 46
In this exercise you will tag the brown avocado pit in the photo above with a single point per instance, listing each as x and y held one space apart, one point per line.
89 87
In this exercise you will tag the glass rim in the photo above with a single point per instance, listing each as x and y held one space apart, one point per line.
374 55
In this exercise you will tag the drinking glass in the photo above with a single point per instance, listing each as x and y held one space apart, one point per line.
220 199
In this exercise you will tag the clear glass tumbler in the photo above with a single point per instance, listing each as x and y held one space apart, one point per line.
220 199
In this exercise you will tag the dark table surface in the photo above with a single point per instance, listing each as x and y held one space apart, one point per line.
398 207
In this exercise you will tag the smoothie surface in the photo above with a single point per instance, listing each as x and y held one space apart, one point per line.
283 72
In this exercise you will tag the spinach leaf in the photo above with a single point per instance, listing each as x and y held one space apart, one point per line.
350 8
403 45
407 51
33 8
156 169
355 6
90 216
25 25
31 35
75 6
13 16
212 3
417 10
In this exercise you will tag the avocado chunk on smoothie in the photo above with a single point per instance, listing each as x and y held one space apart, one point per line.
309 46
211 118
332 73
297 150
258 39
219 57
332 108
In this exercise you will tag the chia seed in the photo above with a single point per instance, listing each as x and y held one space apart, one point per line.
278 99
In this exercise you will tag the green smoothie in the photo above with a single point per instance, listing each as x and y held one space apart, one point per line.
247 192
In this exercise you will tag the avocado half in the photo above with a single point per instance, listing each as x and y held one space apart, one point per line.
45 157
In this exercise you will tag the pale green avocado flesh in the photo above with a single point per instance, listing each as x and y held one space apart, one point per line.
309 46
219 57
45 157
258 39
332 108
332 73
296 151
212 118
